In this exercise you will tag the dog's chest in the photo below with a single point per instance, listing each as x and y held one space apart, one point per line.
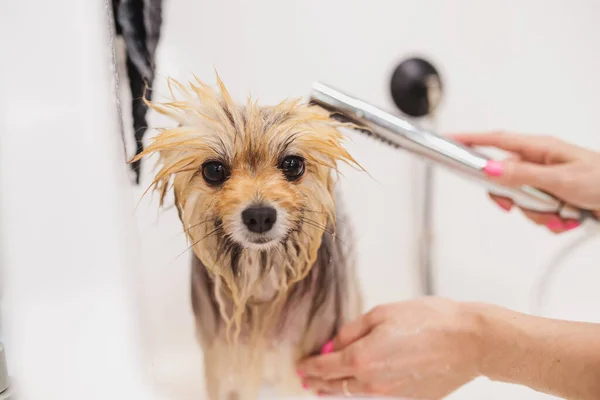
291 330
264 287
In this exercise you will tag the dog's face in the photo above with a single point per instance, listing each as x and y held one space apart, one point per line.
249 181
258 193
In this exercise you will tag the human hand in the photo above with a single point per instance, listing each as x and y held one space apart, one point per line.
420 349
567 171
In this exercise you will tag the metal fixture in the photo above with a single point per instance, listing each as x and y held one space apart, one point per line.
416 90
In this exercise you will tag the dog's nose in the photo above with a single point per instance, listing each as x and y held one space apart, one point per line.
259 219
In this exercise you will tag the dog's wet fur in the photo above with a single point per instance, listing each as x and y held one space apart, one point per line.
272 286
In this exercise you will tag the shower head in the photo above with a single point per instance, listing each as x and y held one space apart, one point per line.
400 133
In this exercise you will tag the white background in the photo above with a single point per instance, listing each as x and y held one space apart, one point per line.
524 66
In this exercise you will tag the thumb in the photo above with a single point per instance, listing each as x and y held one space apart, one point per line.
350 333
517 173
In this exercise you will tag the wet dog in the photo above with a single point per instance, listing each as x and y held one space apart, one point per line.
272 276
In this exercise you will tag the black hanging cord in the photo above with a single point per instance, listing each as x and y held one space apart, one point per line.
139 23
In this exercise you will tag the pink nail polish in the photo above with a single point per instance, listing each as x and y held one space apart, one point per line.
493 168
304 385
572 225
327 347
555 224
300 374
505 207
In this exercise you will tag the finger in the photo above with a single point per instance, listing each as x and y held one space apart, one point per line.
553 222
537 149
354 330
551 178
556 225
571 224
341 356
353 387
326 366
503 202
514 157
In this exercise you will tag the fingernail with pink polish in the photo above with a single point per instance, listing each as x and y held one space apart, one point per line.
304 385
572 225
493 168
555 224
300 374
327 347
505 206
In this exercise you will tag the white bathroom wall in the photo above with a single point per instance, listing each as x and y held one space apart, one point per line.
512 65
528 68
68 245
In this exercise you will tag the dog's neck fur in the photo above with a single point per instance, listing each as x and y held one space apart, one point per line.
247 277
316 299
260 277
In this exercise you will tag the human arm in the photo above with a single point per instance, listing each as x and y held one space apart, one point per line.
551 356
429 347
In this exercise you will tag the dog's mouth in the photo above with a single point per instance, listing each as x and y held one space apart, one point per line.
260 241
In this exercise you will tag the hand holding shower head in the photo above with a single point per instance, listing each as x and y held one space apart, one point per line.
440 150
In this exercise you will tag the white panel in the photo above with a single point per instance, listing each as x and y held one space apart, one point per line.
67 232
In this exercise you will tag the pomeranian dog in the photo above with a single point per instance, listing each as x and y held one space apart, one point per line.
272 276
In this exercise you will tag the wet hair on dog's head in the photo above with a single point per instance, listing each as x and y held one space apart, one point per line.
253 184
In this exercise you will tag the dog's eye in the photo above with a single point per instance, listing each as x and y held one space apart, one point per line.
214 172
292 167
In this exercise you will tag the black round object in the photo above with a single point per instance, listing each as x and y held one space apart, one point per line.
409 86
292 167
